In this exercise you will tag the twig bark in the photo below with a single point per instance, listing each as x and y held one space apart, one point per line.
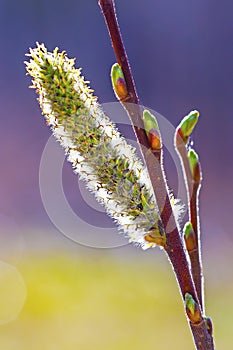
174 249
202 339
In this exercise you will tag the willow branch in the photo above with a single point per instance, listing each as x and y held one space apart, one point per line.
174 248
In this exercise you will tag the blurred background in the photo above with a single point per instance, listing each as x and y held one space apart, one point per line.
55 293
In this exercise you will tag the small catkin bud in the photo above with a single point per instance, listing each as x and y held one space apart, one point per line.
194 165
156 237
99 154
186 126
154 139
152 130
192 309
189 237
118 82
209 325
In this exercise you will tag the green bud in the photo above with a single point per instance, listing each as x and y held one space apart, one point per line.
192 309
190 303
152 130
209 325
149 121
189 236
187 124
118 82
194 165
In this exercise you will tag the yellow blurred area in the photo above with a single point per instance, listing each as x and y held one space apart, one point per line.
96 302
13 293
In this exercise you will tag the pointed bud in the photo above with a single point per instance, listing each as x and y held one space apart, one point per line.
192 309
209 325
194 165
149 121
118 82
152 130
187 125
189 237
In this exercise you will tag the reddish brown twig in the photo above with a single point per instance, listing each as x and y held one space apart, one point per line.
193 188
174 248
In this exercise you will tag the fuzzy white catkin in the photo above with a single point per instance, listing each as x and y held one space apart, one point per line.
94 146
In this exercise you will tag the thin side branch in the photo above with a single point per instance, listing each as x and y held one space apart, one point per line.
193 189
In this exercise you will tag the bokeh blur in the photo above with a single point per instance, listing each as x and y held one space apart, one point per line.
55 293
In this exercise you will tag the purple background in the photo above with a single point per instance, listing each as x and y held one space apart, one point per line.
181 54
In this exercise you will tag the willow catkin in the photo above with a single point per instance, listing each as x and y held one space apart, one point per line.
94 146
